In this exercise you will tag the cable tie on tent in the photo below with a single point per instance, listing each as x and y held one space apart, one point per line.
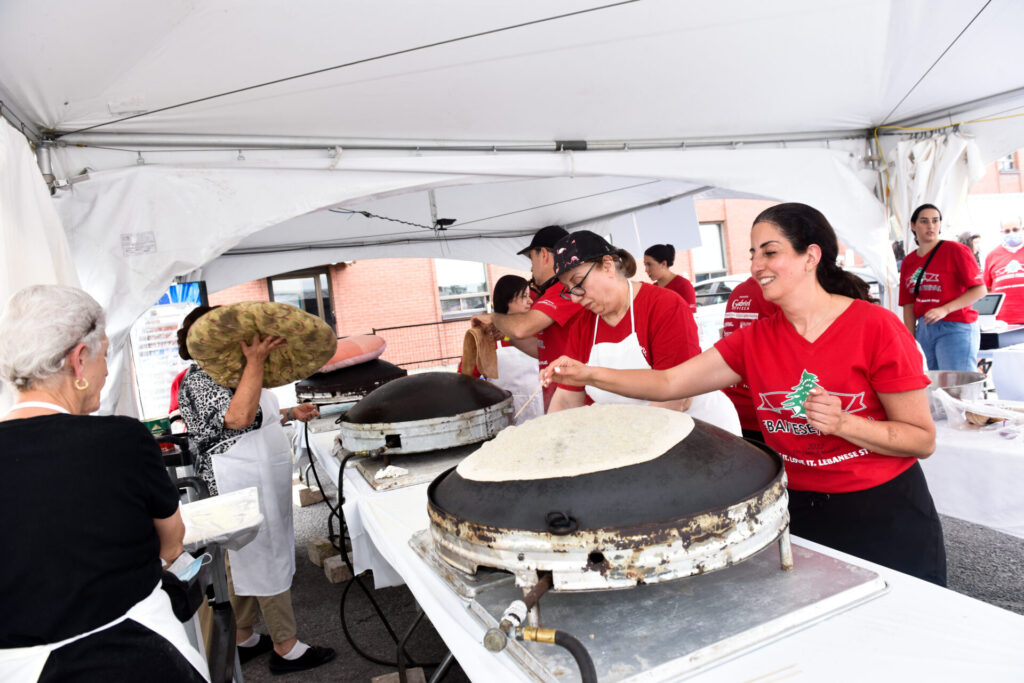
572 164
139 159
335 154
240 157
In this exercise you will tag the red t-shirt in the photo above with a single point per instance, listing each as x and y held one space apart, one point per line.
1004 272
681 286
746 304
664 327
952 272
551 340
866 350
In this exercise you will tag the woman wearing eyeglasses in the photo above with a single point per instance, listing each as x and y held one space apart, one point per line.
626 326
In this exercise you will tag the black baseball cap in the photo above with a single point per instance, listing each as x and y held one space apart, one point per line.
545 238
579 247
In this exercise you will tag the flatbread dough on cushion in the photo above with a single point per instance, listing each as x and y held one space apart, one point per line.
578 441
355 350
213 342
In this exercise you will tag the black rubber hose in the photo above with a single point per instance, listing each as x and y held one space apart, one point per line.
587 671
340 546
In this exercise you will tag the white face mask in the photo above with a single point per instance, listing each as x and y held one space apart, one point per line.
1013 239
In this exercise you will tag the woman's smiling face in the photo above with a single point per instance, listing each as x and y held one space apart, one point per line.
775 264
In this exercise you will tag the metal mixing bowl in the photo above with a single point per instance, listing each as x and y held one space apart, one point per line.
966 386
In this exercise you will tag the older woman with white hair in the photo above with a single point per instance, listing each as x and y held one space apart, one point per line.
89 511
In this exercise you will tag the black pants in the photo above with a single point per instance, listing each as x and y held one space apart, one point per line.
894 524
125 652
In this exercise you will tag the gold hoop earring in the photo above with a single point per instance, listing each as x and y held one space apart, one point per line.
81 384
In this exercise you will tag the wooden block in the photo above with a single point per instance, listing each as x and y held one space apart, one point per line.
319 549
336 570
411 675
303 496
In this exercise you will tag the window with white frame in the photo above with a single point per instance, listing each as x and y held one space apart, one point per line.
709 257
1007 164
461 287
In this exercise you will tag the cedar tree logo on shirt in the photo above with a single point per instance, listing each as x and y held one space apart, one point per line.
795 399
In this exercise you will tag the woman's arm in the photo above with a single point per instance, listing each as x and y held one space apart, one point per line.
908 431
699 375
246 401
565 399
971 295
171 532
908 318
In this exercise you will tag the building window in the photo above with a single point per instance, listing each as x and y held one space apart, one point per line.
309 290
462 288
1007 164
709 257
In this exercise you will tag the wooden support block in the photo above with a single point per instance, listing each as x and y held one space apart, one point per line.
319 549
412 675
303 496
336 570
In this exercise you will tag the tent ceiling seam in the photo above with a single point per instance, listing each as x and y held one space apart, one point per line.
936 62
365 60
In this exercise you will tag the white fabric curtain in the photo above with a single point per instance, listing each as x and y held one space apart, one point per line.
938 170
33 248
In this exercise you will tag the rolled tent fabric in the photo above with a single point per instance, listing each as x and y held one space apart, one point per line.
478 352
214 342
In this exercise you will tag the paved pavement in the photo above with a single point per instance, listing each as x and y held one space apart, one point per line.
983 564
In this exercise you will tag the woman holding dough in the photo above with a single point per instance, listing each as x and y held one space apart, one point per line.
626 325
841 397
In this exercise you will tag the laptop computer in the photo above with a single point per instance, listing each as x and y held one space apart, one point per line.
988 308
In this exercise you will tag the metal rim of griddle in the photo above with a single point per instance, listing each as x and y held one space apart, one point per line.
619 557
420 436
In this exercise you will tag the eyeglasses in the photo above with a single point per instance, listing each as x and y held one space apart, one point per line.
577 289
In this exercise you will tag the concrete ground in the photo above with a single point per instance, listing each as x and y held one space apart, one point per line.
983 564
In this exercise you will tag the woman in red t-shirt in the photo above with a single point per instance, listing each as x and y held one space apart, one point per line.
658 259
839 393
938 283
626 325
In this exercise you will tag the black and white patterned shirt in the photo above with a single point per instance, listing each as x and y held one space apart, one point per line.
203 404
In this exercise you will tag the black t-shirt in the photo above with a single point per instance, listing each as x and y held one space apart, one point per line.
77 502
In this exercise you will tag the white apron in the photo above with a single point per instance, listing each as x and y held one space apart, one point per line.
713 407
517 374
262 458
153 612
624 355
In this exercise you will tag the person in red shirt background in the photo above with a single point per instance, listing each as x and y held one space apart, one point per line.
1004 271
938 283
841 397
658 259
541 330
746 304
626 325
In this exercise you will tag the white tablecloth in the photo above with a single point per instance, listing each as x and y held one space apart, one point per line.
978 476
915 632
364 552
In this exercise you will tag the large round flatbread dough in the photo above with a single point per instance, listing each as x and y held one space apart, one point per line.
578 441
213 342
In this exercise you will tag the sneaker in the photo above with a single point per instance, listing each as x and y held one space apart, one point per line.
247 653
314 657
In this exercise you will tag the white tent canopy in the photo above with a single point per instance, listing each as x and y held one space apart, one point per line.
187 135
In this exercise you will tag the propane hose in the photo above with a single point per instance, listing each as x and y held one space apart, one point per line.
550 635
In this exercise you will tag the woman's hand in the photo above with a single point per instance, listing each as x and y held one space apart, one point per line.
258 350
936 314
566 370
824 411
304 412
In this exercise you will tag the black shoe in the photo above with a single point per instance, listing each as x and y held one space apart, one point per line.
247 653
314 657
